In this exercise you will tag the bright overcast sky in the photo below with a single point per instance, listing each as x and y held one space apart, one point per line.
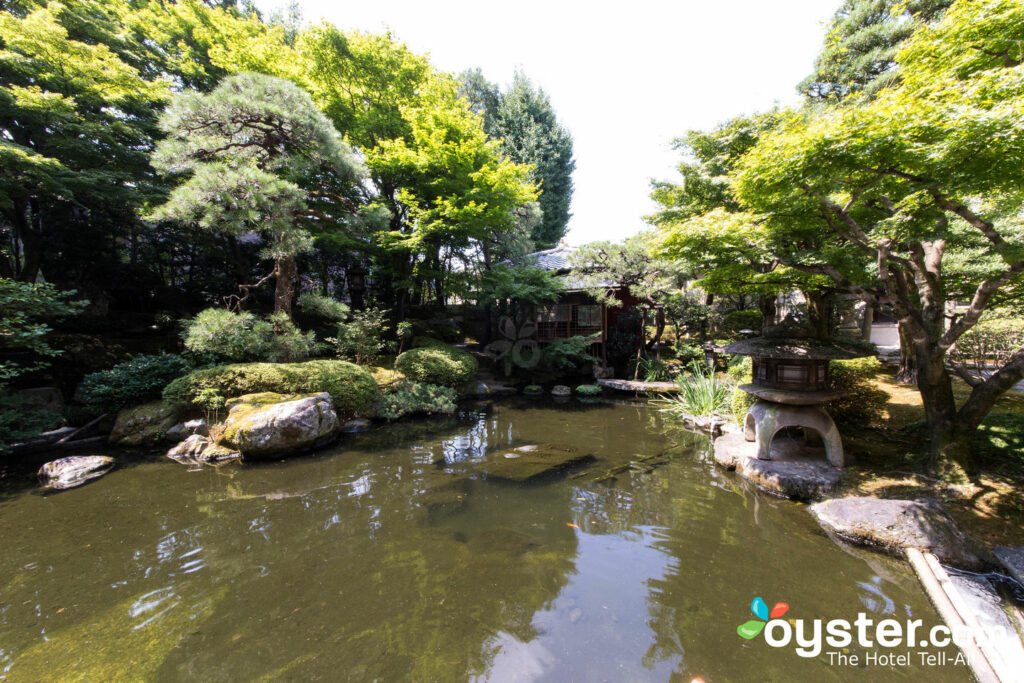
624 78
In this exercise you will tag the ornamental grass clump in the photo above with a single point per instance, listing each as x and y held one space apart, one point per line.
700 393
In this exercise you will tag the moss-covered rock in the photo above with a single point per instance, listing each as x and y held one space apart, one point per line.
446 366
145 424
351 387
266 424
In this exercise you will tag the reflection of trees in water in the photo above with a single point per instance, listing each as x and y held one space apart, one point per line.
379 564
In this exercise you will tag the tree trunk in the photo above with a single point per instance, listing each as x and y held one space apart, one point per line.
285 274
949 438
819 314
907 373
767 305
866 321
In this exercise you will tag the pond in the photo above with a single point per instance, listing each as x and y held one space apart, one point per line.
393 556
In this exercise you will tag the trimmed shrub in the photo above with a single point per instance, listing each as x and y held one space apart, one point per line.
862 402
409 398
420 342
741 369
217 335
740 404
446 366
351 386
133 382
588 389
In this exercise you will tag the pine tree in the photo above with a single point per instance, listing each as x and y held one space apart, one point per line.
862 43
252 148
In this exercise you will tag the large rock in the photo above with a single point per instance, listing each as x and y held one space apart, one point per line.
74 471
895 525
198 449
183 430
262 425
793 472
145 424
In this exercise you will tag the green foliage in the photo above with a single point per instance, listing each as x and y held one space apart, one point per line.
352 387
990 343
20 419
862 44
521 283
735 321
741 369
254 150
688 352
524 121
862 402
651 370
567 354
136 381
740 403
323 307
589 390
700 393
211 402
435 365
362 338
408 398
217 335
25 310
422 342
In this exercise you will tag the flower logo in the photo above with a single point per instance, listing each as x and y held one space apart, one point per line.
752 628
517 346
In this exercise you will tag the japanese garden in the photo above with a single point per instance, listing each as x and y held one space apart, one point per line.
309 369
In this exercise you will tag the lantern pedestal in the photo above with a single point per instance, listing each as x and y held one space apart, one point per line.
766 418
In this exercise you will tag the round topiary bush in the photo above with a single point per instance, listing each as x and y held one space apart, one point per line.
588 389
353 389
446 366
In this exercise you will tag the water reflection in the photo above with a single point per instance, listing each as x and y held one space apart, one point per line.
392 558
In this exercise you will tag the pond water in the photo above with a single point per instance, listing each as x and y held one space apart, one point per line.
393 557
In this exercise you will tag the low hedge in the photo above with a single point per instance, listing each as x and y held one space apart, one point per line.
446 366
353 389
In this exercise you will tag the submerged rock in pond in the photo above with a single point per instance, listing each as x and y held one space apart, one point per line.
262 425
505 541
895 525
532 461
356 426
561 390
73 471
145 424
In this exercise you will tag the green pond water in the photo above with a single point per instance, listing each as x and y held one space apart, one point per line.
392 556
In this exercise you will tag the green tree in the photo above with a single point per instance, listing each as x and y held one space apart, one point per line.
255 151
862 43
525 122
76 121
601 267
26 311
924 176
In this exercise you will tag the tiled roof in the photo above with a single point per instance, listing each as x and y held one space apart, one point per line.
556 259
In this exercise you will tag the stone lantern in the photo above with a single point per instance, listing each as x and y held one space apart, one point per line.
791 382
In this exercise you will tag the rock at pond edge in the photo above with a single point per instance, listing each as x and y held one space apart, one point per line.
75 470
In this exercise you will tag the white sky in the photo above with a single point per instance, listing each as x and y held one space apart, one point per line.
624 78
